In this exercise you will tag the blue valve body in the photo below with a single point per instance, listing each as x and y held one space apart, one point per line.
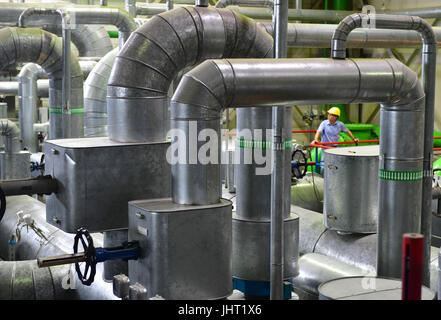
128 251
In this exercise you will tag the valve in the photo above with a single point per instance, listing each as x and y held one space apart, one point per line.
299 164
90 256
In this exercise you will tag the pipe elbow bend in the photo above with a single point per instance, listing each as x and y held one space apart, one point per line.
338 42
409 90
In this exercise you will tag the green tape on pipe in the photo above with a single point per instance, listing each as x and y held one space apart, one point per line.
400 175
55 110
113 34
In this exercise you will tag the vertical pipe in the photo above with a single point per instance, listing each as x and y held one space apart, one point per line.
412 266
169 5
67 88
130 6
278 174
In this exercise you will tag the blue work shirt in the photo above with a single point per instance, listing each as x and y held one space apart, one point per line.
331 132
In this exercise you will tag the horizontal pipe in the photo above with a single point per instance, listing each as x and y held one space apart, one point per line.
40 185
10 88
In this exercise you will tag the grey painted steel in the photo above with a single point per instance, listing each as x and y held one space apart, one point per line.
28 103
279 154
252 250
366 288
9 12
90 40
185 250
11 135
351 189
145 67
129 172
427 13
95 100
389 263
201 3
115 238
320 35
169 5
219 84
231 182
439 276
44 48
29 248
315 268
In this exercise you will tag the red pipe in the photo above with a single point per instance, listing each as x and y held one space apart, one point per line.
320 146
350 142
303 131
412 266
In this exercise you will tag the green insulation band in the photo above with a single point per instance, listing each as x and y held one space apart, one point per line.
260 144
401 175
55 110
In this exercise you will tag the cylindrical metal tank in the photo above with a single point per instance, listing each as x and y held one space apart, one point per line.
366 288
351 189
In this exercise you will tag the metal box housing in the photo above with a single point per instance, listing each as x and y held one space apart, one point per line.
185 249
97 178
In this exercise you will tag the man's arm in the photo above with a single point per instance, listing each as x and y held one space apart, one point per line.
352 136
316 138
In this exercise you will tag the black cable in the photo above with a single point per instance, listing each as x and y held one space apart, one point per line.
2 204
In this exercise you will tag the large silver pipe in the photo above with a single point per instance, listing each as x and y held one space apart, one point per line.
11 88
390 237
148 63
426 13
27 104
245 3
32 246
66 91
44 48
278 151
11 135
259 82
151 9
9 12
350 250
320 35
95 100
90 40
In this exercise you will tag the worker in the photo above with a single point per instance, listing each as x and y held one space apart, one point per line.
330 129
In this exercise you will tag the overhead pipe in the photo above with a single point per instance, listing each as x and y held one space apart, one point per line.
145 67
390 237
90 40
251 3
11 88
10 12
66 58
44 48
278 160
95 100
150 9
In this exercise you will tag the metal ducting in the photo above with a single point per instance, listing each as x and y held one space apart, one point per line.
95 97
144 69
44 48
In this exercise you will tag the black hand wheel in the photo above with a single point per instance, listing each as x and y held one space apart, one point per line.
90 257
299 171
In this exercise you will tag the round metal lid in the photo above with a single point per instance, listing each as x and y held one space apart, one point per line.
366 288
361 151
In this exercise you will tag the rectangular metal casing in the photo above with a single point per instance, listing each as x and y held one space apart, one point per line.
97 178
185 249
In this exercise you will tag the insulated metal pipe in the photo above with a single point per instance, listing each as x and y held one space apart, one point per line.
27 104
148 63
44 48
66 57
39 185
319 36
389 245
278 174
10 12
11 135
95 100
130 6
217 84
11 88
245 3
